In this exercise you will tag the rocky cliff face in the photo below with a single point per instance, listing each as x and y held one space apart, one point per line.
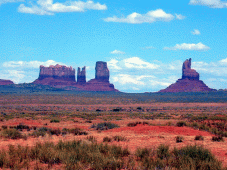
57 72
64 77
5 82
187 72
101 80
81 75
190 81
102 71
56 76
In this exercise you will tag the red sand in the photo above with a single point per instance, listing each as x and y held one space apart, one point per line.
145 129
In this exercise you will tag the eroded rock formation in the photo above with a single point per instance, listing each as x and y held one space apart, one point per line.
56 76
189 82
101 80
81 75
187 72
57 72
102 71
64 77
5 82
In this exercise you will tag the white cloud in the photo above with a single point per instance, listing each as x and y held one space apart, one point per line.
180 17
28 64
130 79
149 17
47 7
136 62
117 52
113 64
224 61
159 83
196 32
185 46
10 1
15 75
209 3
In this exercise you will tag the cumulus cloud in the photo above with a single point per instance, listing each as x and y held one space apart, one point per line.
117 52
113 63
159 83
47 7
10 1
149 17
196 32
180 17
209 3
128 79
192 47
218 68
136 62
15 75
28 64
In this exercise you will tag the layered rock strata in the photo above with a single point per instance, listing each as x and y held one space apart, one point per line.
81 75
57 72
5 82
64 77
189 82
56 76
101 80
102 72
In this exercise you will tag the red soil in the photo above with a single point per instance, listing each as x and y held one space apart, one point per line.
145 129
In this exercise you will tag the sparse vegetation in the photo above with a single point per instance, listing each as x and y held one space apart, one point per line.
12 134
179 139
199 137
54 121
104 126
217 139
78 109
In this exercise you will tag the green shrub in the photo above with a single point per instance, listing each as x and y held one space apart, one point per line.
54 121
217 139
199 137
179 139
40 132
195 157
4 127
77 131
181 124
91 138
132 124
163 151
119 138
104 126
143 153
12 134
107 139
21 127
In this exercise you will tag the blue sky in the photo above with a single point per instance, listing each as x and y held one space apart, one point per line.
144 42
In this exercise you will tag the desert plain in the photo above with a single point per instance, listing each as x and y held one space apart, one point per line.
129 121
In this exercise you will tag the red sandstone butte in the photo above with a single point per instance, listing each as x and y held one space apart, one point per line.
56 76
5 82
64 77
189 82
101 80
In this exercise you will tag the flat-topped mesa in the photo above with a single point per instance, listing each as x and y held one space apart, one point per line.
81 75
102 71
5 82
187 72
59 72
